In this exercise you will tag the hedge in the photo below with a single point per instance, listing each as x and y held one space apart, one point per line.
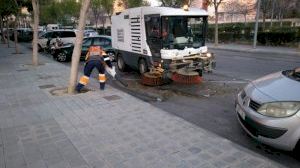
240 32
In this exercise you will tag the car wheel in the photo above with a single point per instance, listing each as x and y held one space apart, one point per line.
296 150
61 57
111 55
120 63
143 67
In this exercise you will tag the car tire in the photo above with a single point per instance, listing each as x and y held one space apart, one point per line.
143 67
120 63
61 57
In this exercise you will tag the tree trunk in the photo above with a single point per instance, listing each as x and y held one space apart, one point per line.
2 33
103 24
264 21
36 11
272 12
16 33
7 32
216 27
15 28
256 23
245 17
280 18
77 48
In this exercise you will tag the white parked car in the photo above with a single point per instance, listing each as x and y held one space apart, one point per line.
269 109
49 37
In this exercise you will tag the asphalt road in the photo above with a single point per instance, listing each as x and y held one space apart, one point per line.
211 104
216 113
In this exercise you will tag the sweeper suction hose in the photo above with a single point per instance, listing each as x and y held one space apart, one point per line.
118 78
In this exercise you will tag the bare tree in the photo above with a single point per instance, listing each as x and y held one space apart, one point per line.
2 32
78 44
103 18
272 12
36 12
108 7
17 14
284 6
175 3
265 9
96 8
7 32
216 4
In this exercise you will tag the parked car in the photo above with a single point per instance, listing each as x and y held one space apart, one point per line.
268 109
49 37
65 52
90 33
23 34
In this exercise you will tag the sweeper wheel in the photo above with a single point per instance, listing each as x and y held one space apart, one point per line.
152 79
183 77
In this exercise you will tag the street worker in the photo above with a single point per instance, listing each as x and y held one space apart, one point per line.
98 58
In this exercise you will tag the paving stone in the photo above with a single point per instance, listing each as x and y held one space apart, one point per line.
37 164
195 150
109 129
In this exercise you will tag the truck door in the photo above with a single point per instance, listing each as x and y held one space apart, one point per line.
153 34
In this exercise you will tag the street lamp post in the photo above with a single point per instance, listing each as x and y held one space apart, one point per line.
256 23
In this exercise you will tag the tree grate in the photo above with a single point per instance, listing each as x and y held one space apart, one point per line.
21 70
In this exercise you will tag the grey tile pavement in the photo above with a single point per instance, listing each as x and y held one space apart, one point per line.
105 129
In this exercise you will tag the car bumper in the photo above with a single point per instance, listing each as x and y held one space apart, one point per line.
281 133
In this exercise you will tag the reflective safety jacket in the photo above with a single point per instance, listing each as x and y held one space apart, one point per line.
95 53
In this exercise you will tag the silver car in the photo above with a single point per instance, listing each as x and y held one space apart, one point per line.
269 109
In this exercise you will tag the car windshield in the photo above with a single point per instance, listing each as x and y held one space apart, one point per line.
179 32
293 74
87 42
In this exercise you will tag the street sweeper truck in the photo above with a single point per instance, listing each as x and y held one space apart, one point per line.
162 43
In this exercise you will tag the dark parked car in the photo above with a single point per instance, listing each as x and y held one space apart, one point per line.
23 34
64 53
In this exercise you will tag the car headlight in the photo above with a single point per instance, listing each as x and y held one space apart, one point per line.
279 109
208 55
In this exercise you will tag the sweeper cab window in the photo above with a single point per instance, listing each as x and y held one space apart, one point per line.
179 32
153 33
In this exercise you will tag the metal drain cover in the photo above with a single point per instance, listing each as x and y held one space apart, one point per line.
112 97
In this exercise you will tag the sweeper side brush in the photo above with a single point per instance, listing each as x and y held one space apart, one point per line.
186 77
152 79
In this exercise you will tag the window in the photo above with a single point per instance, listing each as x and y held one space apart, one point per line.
99 41
55 34
87 42
65 34
152 23
107 42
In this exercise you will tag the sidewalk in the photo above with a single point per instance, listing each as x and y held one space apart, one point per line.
97 129
258 49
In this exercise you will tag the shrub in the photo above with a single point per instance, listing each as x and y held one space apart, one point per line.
276 38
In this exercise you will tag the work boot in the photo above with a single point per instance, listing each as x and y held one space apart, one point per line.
79 87
102 86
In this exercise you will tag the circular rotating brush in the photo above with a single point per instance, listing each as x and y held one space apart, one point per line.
186 77
152 79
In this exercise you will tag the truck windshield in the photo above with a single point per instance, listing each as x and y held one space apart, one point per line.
179 32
